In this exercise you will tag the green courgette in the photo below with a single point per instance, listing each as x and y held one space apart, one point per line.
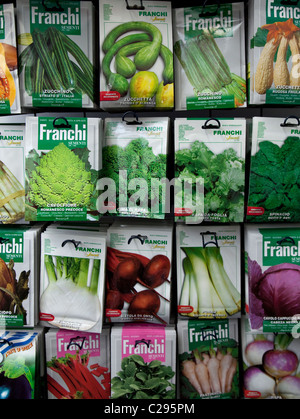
126 69
84 84
48 64
147 56
117 82
82 60
62 59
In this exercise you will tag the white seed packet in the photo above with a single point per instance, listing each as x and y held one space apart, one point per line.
72 279
208 271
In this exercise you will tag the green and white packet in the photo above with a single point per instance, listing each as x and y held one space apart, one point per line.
272 259
134 76
20 252
208 271
274 189
72 279
134 167
11 103
62 187
209 170
202 342
12 173
208 75
60 75
271 24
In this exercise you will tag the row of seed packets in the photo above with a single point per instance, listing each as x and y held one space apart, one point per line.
80 169
149 57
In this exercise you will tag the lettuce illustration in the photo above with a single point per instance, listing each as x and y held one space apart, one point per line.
224 179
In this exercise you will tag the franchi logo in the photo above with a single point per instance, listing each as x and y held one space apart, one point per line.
65 17
11 247
73 134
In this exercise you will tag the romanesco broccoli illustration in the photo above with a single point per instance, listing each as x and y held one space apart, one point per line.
60 178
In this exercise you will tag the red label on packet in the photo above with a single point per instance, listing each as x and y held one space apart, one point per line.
108 96
185 309
255 211
250 394
183 212
112 312
46 317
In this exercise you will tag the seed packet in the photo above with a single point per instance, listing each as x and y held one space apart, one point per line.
20 268
9 80
21 358
209 170
62 168
208 352
274 191
208 271
136 55
209 56
134 167
12 173
72 279
148 351
272 260
273 50
138 273
270 363
84 357
56 47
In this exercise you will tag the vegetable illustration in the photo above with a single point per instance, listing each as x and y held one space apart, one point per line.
60 177
146 47
80 381
124 271
13 290
275 371
280 361
147 56
117 81
274 292
276 38
139 380
165 96
12 196
265 67
289 387
273 178
11 56
72 291
7 83
143 84
207 287
223 176
209 371
256 349
139 160
206 68
255 379
52 60
15 380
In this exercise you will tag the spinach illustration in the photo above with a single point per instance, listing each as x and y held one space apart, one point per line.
141 380
275 179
